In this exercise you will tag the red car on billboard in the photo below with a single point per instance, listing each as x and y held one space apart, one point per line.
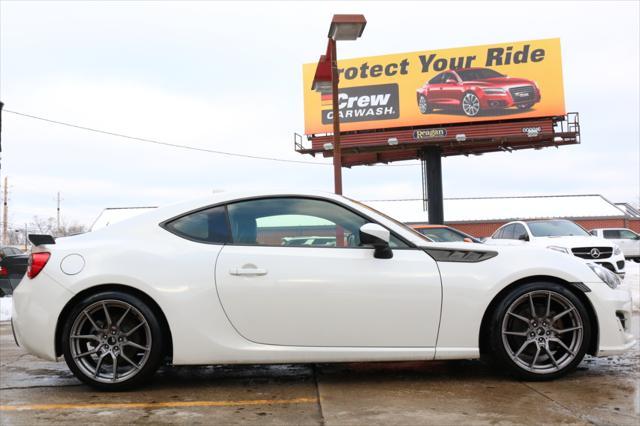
473 91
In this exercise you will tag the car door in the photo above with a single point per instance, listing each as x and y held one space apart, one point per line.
434 92
520 234
451 92
629 243
614 236
335 295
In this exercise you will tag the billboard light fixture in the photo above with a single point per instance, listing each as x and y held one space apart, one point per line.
392 141
461 137
322 78
328 146
347 27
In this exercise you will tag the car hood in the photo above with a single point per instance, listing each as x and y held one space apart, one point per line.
500 82
524 260
572 241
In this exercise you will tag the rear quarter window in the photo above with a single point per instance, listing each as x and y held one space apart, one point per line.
206 226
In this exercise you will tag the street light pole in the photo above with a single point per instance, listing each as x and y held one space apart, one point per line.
343 27
337 154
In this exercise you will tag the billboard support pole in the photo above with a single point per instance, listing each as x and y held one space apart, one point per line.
431 159
337 154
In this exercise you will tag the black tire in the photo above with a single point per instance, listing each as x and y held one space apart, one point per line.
138 313
543 346
524 107
423 105
470 105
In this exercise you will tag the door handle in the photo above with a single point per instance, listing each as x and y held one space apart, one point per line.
248 271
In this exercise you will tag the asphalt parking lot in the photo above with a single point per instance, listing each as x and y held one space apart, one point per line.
602 391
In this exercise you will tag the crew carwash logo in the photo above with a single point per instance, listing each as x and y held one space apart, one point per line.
364 103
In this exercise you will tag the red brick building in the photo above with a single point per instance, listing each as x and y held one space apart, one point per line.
482 216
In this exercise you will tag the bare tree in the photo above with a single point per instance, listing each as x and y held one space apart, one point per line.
38 225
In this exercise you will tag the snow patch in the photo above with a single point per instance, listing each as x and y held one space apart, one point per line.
6 304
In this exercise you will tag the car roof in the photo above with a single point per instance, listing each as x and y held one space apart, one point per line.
428 226
469 69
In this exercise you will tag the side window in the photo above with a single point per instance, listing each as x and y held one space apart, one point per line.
447 76
207 226
296 222
507 233
611 234
519 231
594 232
625 234
498 234
436 80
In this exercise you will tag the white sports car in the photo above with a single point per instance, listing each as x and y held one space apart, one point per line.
211 282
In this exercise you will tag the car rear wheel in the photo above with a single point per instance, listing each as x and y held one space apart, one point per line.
423 105
112 341
524 106
470 104
540 331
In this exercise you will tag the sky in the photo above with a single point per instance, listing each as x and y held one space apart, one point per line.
228 76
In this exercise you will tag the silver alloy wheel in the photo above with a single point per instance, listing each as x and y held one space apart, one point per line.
110 341
542 332
422 104
471 104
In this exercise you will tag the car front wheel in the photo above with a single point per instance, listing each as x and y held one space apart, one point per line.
470 105
540 331
112 341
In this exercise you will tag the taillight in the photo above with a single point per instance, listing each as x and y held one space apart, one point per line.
3 271
37 262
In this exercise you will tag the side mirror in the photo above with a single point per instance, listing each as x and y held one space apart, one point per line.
467 240
377 236
450 81
524 237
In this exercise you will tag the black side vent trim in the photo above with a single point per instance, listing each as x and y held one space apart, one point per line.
456 255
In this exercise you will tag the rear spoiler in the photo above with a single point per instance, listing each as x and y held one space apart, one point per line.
40 239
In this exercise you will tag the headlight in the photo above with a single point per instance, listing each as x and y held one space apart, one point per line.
605 275
616 250
560 249
494 91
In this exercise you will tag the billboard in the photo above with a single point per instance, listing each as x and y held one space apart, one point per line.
469 84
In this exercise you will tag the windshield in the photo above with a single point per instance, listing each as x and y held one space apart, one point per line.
556 228
441 235
405 226
478 74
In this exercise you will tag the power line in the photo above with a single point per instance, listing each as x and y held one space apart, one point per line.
169 144
175 145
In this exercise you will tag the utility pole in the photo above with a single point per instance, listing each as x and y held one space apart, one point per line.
5 211
26 237
58 215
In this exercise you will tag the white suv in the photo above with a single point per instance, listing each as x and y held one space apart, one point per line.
626 239
563 236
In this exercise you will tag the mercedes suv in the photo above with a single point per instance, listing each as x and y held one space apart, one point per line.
564 236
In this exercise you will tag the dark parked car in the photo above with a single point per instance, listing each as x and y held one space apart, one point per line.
13 266
475 90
